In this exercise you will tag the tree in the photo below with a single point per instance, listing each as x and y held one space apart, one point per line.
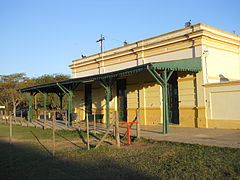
53 99
9 84
11 98
47 78
5 99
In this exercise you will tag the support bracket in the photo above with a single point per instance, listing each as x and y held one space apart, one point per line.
70 95
163 81
107 86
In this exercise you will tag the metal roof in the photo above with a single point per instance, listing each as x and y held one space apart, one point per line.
192 65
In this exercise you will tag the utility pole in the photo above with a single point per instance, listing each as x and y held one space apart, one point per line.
102 38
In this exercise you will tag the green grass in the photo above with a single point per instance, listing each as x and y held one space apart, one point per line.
145 159
22 132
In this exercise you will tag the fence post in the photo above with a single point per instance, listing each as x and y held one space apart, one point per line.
65 118
10 128
6 117
10 141
27 119
117 136
53 133
21 116
1 115
94 123
87 123
114 127
28 116
138 123
45 118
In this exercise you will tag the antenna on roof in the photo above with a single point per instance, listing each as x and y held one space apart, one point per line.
102 38
188 24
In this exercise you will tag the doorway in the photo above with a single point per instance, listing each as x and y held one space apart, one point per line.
88 99
122 100
173 99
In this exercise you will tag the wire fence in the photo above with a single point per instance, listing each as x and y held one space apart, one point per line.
55 122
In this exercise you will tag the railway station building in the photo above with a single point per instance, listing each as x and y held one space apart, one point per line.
188 77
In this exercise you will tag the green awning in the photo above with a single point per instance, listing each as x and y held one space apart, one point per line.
192 65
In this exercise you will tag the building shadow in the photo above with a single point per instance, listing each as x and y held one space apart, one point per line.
23 161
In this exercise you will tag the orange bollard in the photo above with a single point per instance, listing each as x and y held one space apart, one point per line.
128 130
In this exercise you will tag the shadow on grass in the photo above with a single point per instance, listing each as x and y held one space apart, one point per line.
68 140
28 162
81 136
41 144
92 135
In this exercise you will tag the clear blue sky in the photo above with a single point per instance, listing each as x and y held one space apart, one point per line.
43 36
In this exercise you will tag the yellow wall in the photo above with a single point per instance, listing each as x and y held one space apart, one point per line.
191 100
223 55
223 105
152 103
132 101
148 101
201 103
170 46
187 101
78 104
145 94
149 93
224 124
216 109
98 102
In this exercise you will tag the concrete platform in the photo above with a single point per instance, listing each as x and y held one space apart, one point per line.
212 137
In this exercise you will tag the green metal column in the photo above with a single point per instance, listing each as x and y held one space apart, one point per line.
166 86
44 102
61 103
166 108
107 88
45 108
70 95
30 107
163 81
108 94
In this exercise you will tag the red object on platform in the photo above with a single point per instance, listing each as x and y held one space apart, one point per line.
128 130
